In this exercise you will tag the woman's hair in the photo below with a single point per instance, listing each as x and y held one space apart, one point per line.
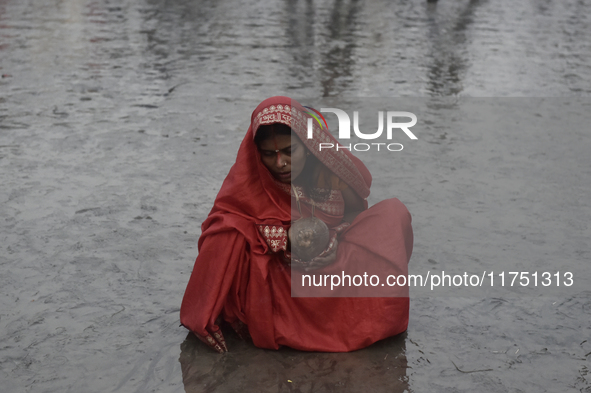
268 131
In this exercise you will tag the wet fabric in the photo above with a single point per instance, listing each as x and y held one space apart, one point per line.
239 278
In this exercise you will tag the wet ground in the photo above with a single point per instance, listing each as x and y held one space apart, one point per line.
119 120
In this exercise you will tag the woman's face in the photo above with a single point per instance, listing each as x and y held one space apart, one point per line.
284 156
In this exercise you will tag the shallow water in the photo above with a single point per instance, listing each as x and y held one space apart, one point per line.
119 120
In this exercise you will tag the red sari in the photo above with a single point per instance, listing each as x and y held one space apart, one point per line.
240 278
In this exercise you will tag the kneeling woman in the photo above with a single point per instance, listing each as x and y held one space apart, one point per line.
247 270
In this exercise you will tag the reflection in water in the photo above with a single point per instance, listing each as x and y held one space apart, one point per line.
300 32
339 61
335 35
449 54
381 367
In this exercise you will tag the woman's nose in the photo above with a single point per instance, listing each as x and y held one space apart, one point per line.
281 160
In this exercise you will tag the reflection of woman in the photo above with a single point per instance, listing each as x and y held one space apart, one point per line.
381 368
242 273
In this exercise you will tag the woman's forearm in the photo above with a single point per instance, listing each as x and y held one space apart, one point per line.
350 216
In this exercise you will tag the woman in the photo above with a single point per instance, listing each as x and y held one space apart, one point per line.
242 274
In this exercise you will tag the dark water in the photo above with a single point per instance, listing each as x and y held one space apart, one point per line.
119 120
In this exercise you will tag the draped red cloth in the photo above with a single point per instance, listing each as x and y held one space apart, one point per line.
238 278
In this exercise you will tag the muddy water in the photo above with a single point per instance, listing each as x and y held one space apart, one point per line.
119 120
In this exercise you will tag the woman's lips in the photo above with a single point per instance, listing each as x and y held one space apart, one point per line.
284 176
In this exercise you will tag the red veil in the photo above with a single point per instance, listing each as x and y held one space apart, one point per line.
236 276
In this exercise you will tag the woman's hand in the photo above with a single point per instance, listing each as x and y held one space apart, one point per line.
214 340
324 259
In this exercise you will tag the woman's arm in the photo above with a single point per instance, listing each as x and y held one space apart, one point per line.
354 204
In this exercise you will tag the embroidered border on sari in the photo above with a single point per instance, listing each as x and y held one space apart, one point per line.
274 235
334 205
